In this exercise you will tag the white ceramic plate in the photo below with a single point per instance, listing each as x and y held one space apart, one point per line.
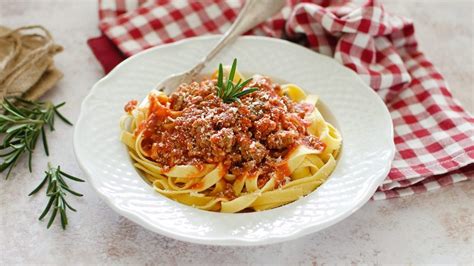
356 110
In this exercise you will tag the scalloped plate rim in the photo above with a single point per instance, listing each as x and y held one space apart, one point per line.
230 240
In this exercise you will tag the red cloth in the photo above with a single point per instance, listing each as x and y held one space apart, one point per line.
434 135
106 52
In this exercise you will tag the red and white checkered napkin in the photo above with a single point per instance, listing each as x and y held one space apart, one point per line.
434 135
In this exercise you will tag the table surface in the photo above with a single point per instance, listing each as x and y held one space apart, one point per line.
433 227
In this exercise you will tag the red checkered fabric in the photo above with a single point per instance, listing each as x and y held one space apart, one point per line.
434 135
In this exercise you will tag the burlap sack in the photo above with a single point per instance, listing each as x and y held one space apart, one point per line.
26 62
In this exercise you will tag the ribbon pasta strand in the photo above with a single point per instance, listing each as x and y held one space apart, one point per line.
204 187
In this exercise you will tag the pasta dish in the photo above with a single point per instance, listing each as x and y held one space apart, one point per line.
230 144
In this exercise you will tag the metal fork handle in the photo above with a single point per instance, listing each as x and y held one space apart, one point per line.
253 13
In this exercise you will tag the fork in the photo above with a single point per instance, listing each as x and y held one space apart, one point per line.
253 13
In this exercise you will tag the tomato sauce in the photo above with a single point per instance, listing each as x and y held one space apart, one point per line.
132 104
194 126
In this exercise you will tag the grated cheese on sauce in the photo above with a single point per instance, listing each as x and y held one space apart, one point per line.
194 126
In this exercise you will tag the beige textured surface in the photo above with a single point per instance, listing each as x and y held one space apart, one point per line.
429 228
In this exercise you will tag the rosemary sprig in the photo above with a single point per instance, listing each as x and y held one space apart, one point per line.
21 125
56 191
228 91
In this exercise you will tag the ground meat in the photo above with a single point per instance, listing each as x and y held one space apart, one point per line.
228 192
313 142
282 139
201 128
177 101
224 140
264 127
194 126
252 150
297 123
249 166
223 120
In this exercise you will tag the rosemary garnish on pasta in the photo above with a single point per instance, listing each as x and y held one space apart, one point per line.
228 91
57 190
21 125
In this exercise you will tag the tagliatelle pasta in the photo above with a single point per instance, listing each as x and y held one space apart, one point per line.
268 148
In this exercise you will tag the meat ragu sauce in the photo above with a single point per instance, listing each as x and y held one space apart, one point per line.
194 126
